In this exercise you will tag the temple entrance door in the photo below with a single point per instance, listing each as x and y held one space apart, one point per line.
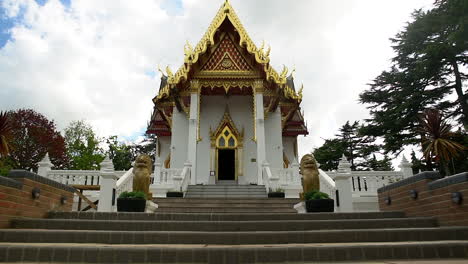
226 165
226 145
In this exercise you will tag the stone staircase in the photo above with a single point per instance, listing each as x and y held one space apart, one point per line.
226 190
220 237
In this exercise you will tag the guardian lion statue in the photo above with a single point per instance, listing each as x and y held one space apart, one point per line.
310 174
141 175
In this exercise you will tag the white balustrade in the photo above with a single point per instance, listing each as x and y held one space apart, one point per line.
327 184
124 183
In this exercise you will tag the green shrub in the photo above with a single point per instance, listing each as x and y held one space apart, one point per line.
315 195
138 195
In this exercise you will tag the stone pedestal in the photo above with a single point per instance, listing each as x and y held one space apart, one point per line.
300 208
151 207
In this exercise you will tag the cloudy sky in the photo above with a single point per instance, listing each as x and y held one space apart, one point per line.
97 59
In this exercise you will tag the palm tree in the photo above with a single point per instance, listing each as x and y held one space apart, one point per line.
437 139
5 134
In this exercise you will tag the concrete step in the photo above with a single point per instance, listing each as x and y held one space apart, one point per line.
233 238
222 205
190 209
227 201
222 216
227 186
280 253
223 226
207 195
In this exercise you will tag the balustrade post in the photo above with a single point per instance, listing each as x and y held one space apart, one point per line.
107 184
343 185
44 166
157 171
295 167
406 168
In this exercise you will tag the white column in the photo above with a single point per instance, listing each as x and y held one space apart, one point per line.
405 168
107 183
157 170
343 185
193 127
260 128
296 176
44 166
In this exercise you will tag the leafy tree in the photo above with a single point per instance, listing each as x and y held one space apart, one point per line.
83 146
355 146
418 164
329 154
384 164
121 154
438 143
34 136
5 134
428 71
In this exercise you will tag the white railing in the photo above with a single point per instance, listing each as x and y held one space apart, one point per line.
69 177
185 175
327 184
367 182
124 183
78 177
269 180
167 176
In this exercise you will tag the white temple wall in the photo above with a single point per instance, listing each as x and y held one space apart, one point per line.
212 109
273 139
165 148
288 148
179 139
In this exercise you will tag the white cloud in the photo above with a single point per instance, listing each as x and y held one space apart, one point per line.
91 60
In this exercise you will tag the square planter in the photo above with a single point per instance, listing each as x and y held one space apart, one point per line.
320 205
175 194
131 205
276 195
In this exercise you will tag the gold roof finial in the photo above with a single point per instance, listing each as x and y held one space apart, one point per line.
169 72
293 71
161 71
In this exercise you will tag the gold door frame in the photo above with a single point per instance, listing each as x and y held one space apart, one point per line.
227 124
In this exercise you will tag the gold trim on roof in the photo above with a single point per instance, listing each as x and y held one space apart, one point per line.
193 54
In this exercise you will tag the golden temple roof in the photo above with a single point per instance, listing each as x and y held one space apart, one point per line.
261 55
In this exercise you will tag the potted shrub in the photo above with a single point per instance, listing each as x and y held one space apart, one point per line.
278 193
317 201
174 194
131 202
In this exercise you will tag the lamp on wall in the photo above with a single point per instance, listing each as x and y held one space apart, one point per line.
35 193
63 200
457 197
414 194
388 200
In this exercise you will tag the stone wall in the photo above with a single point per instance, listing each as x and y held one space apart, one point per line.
16 198
428 194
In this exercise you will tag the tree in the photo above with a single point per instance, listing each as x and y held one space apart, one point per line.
354 145
438 144
380 165
329 154
418 164
83 146
34 136
427 72
121 154
5 134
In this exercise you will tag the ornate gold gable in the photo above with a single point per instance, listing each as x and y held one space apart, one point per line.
226 57
226 125
261 56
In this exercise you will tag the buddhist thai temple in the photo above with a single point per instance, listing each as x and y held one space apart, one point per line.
226 110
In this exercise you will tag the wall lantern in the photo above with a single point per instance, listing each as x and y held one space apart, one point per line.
63 200
36 192
457 197
388 200
414 194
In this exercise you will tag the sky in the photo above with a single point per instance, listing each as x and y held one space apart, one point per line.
97 60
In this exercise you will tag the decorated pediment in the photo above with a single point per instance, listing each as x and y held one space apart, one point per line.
226 57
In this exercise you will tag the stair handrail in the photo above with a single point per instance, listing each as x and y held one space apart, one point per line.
186 175
124 183
269 179
327 184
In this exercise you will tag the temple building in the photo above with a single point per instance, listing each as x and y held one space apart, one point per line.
226 110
